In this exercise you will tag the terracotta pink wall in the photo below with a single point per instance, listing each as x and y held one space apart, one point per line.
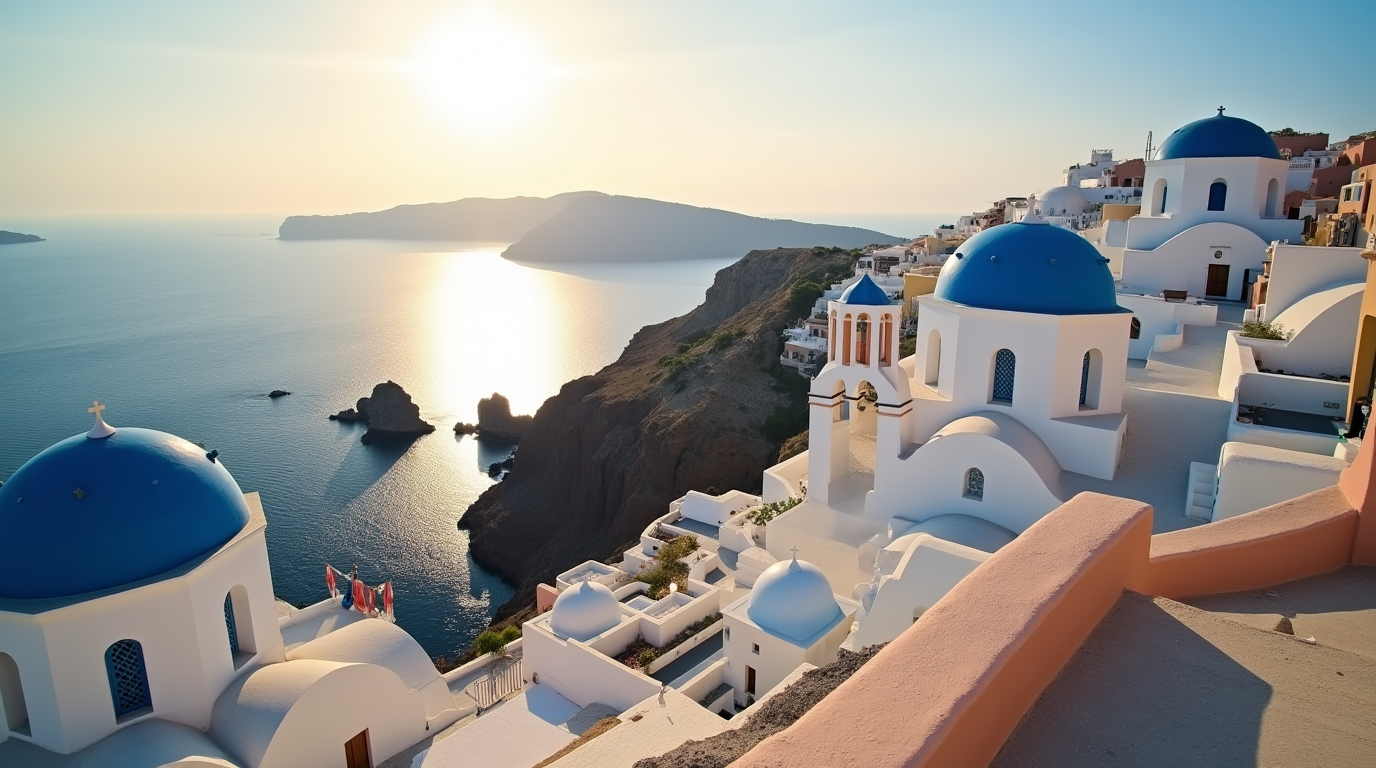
949 691
1302 537
1360 492
545 596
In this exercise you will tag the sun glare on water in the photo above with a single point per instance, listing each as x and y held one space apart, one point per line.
482 71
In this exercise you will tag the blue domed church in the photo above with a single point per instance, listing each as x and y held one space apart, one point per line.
1213 201
1018 376
138 624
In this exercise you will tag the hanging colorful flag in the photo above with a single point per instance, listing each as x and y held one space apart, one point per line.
387 601
330 582
372 599
360 598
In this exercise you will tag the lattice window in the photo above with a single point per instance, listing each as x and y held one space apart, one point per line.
974 484
230 627
1005 364
128 677
1084 379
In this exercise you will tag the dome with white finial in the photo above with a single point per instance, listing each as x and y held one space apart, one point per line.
793 598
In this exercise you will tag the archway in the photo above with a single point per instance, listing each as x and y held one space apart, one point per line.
12 696
933 368
1272 199
239 625
128 675
1218 195
1158 197
1091 378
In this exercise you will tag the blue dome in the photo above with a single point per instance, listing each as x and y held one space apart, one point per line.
865 291
1218 136
1033 267
89 514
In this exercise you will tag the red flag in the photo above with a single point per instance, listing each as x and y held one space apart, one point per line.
329 581
360 599
372 596
387 598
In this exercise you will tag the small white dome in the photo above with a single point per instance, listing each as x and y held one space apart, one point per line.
585 611
793 598
1061 201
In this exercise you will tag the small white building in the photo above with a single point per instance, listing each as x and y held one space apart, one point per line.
791 617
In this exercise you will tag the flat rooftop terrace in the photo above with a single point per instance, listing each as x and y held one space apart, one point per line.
1163 683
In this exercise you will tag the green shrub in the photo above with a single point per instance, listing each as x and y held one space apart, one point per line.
511 632
793 446
645 658
762 514
493 641
1257 329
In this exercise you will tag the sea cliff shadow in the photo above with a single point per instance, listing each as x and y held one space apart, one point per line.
363 465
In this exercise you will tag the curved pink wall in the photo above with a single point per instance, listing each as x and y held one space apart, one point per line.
949 691
1302 537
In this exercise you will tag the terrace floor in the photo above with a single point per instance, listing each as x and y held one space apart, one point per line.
1163 683
707 649
698 527
1278 418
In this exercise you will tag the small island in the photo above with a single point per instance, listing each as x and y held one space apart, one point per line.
276 393
15 238
495 421
389 414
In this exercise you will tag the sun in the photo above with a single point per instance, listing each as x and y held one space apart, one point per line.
482 71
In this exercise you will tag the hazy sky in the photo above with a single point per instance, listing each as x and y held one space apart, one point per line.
855 111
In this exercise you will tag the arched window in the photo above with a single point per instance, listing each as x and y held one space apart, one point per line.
933 358
128 675
831 339
1005 365
12 696
885 339
230 627
862 339
974 484
845 341
1135 330
1218 195
1158 197
1091 375
1272 199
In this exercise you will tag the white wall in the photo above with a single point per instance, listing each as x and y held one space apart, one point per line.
1324 333
579 673
179 621
715 510
1252 477
1160 317
1182 263
928 570
1188 182
1299 270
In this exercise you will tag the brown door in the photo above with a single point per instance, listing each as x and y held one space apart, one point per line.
1217 284
749 679
357 753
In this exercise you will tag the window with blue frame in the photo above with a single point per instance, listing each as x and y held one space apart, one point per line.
1084 379
124 664
1005 366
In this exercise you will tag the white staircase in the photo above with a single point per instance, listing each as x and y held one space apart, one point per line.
1199 496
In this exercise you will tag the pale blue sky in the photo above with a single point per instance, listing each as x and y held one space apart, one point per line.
842 111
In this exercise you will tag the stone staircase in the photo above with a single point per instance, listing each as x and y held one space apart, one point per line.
1199 493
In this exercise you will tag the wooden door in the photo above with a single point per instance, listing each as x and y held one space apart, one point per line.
357 752
1217 284
750 680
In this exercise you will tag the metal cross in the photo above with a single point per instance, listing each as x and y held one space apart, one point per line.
95 408
794 548
1220 110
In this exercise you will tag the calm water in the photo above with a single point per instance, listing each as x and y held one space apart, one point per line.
184 326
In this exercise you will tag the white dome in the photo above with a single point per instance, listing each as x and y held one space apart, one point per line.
1061 201
585 611
793 598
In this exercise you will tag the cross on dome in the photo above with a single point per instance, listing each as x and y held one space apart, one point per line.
1220 110
100 429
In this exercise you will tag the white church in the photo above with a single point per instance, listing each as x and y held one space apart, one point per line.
138 623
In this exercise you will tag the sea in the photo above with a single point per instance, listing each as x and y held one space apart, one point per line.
185 325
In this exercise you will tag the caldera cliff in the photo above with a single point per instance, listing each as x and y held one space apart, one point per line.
697 402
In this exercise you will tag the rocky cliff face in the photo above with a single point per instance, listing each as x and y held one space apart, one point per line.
496 421
685 407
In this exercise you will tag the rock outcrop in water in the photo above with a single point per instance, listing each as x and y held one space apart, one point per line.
698 402
496 421
14 238
389 414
